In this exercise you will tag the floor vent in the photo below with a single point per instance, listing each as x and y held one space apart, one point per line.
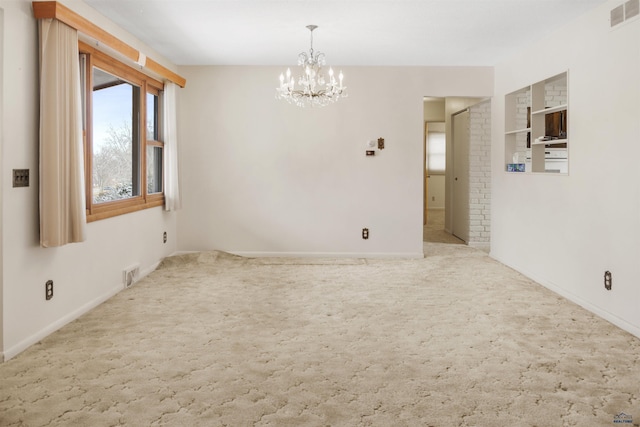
130 275
624 12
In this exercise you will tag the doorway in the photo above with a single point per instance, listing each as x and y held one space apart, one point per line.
436 164
435 177
475 229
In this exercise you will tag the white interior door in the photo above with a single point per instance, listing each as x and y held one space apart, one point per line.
460 192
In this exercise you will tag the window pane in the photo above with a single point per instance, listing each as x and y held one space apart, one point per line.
154 169
436 152
116 174
152 117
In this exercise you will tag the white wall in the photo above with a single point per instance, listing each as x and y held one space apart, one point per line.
84 274
434 109
565 231
265 177
436 192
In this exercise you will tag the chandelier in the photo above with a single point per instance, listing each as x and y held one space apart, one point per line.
313 88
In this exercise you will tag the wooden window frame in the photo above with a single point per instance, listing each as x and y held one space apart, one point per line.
98 211
151 89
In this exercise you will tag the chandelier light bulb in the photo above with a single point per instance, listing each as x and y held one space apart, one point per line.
312 87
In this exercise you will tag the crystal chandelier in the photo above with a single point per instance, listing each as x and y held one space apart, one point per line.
313 88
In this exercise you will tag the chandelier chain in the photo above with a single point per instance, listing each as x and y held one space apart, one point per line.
311 28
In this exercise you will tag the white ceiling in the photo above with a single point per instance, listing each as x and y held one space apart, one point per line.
350 32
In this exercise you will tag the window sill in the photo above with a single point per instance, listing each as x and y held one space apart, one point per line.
109 210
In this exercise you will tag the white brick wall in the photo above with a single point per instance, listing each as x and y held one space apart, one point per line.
555 94
523 102
480 173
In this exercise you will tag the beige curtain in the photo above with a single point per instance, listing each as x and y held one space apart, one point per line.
62 193
172 187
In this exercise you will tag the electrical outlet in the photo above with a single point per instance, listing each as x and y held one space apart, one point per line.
365 233
48 289
608 280
164 237
21 177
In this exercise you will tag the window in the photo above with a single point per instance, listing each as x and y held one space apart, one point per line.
154 146
436 146
123 144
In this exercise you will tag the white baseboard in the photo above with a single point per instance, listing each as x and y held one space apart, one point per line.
149 269
43 333
393 255
484 246
176 253
608 316
268 254
70 317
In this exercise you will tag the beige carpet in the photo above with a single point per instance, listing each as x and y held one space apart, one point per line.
210 339
434 231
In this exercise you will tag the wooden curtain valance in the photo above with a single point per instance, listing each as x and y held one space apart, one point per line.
55 10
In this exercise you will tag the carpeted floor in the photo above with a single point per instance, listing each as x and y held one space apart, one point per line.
434 231
211 339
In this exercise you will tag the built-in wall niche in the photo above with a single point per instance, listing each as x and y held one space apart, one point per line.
536 127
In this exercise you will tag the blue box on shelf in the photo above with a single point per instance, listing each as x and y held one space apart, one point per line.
515 167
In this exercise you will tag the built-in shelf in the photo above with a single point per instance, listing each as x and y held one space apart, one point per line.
517 131
551 109
550 142
532 112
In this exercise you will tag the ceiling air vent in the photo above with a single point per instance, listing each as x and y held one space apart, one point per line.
631 9
624 12
617 16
